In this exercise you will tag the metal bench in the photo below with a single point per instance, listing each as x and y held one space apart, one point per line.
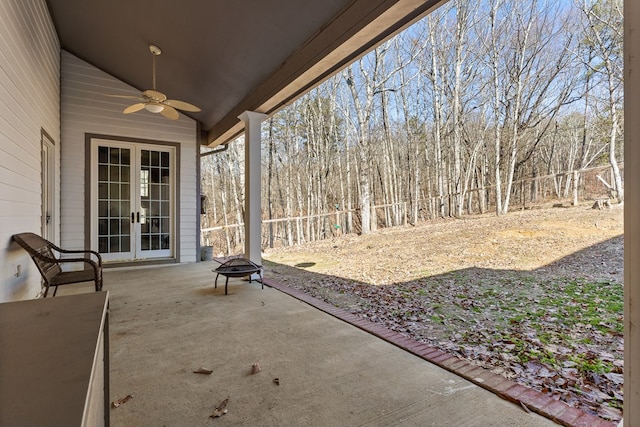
49 265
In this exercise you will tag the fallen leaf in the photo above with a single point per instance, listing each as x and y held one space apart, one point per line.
255 368
122 401
220 410
276 381
615 378
203 370
609 413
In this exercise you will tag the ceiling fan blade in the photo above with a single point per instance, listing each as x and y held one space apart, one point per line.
181 105
133 108
124 96
170 113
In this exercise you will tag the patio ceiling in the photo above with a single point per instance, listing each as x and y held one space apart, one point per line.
229 56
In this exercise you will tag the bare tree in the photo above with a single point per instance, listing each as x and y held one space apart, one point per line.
603 36
469 110
370 80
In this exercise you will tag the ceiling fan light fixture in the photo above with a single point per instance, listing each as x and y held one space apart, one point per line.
154 108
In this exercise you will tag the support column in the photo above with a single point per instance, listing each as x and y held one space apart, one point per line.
631 213
252 173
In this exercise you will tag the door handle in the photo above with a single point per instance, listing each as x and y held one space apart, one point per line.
138 216
133 218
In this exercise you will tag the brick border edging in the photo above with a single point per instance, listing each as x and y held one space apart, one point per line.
528 398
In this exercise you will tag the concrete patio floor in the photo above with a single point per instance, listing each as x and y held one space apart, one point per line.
168 321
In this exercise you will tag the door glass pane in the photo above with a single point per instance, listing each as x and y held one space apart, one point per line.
103 191
154 212
154 192
114 192
103 155
103 227
102 244
103 209
113 200
124 174
114 155
156 199
125 191
114 173
125 226
125 158
103 173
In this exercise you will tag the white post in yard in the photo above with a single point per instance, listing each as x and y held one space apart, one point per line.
252 199
631 213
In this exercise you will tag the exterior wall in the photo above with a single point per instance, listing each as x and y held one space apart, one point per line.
86 110
29 103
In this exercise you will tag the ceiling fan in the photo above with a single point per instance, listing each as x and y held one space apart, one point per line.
155 101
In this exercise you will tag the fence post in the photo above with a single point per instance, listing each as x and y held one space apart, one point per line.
405 214
374 220
575 188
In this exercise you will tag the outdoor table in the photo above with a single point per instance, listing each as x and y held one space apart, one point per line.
54 363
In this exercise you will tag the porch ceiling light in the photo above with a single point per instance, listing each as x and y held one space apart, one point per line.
154 108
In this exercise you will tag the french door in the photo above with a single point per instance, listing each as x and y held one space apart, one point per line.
133 207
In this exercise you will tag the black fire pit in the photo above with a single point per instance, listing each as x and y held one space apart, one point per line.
237 267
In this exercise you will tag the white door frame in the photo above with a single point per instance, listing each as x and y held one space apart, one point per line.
138 217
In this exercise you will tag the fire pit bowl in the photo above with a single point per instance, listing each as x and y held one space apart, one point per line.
237 267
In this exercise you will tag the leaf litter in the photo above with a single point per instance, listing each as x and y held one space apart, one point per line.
535 296
255 368
220 410
122 401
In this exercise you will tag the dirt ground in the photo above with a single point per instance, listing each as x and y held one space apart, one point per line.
548 240
453 262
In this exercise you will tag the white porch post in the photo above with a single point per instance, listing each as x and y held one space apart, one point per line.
631 213
252 199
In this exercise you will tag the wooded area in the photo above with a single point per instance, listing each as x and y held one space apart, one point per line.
478 107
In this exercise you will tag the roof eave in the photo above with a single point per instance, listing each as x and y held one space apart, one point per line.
358 29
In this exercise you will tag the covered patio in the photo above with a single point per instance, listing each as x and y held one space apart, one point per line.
168 321
63 57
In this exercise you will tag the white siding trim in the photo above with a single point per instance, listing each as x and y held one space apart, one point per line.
29 103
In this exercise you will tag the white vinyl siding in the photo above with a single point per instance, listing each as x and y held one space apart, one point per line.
86 109
29 103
